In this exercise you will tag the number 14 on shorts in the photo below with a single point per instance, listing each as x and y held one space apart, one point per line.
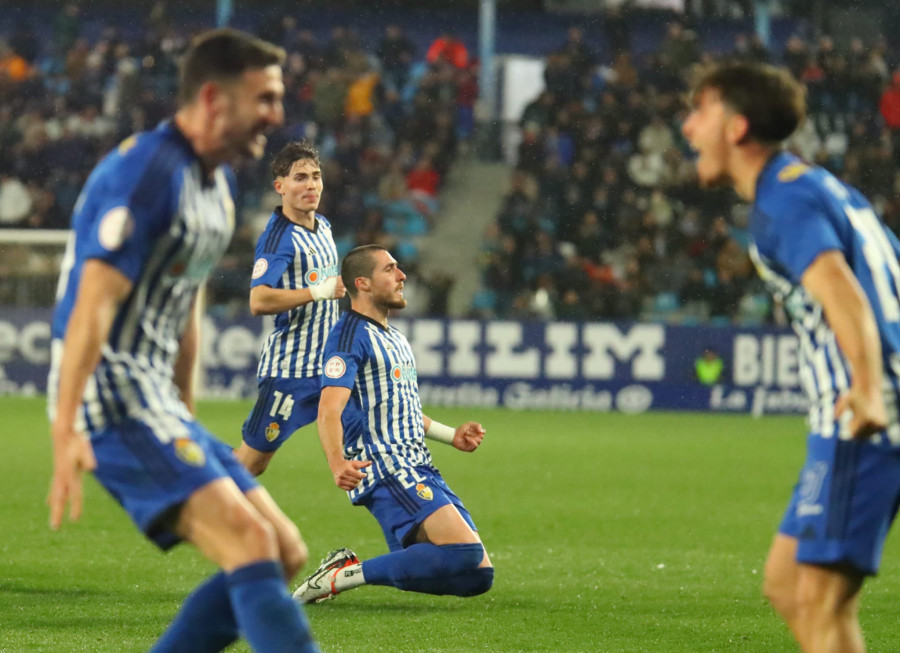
282 405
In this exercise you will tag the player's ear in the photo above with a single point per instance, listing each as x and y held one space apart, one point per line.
278 184
738 129
362 283
211 96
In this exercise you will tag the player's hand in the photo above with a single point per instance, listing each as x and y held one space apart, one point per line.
339 288
868 414
331 288
72 455
348 473
468 436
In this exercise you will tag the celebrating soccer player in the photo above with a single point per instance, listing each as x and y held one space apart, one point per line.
382 461
296 278
820 247
153 219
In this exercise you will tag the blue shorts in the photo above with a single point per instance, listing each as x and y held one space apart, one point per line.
282 407
844 503
403 501
152 476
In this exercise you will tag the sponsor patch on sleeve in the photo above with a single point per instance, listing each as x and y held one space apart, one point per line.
335 367
115 228
260 267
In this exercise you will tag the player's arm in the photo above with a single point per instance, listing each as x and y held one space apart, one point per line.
465 437
266 300
186 362
347 473
832 283
100 292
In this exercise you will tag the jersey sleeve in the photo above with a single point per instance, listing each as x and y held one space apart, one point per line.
799 231
131 203
274 253
343 355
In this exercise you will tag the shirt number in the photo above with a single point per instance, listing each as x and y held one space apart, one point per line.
283 405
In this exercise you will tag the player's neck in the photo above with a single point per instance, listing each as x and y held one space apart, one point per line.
746 165
363 305
193 127
303 218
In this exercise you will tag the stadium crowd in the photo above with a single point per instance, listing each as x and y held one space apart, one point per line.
387 120
603 217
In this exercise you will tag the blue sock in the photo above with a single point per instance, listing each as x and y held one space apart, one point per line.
204 624
409 568
267 616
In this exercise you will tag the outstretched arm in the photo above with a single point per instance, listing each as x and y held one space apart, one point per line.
347 473
101 289
466 437
831 282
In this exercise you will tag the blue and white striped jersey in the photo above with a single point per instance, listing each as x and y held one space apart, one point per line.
800 212
377 364
290 256
150 211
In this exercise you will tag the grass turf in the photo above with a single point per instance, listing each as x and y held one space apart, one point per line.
608 532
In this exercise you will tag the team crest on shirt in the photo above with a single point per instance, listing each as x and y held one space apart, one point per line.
189 452
424 492
260 267
335 367
273 430
127 144
792 172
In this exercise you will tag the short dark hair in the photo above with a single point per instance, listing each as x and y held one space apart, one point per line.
223 55
772 101
359 262
293 151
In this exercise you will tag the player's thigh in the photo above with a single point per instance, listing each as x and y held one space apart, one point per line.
780 574
282 407
834 590
292 549
225 526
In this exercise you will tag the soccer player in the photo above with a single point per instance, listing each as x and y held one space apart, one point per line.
384 464
817 244
153 219
295 277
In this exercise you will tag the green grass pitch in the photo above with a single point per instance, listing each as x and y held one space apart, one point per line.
608 532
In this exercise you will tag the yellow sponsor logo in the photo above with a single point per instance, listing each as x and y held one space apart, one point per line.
424 492
272 431
792 172
189 452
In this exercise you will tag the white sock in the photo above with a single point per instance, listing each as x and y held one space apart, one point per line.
349 577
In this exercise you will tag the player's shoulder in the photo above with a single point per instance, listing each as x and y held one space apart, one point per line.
277 231
350 328
789 183
323 221
157 153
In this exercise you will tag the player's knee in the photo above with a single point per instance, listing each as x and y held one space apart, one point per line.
294 553
482 580
460 558
255 536
780 595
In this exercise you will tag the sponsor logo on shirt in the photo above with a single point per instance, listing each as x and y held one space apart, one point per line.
403 373
315 276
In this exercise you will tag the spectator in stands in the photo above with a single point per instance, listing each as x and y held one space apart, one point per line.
889 106
15 201
395 51
448 49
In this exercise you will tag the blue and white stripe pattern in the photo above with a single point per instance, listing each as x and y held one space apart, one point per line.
177 224
800 212
295 257
379 366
